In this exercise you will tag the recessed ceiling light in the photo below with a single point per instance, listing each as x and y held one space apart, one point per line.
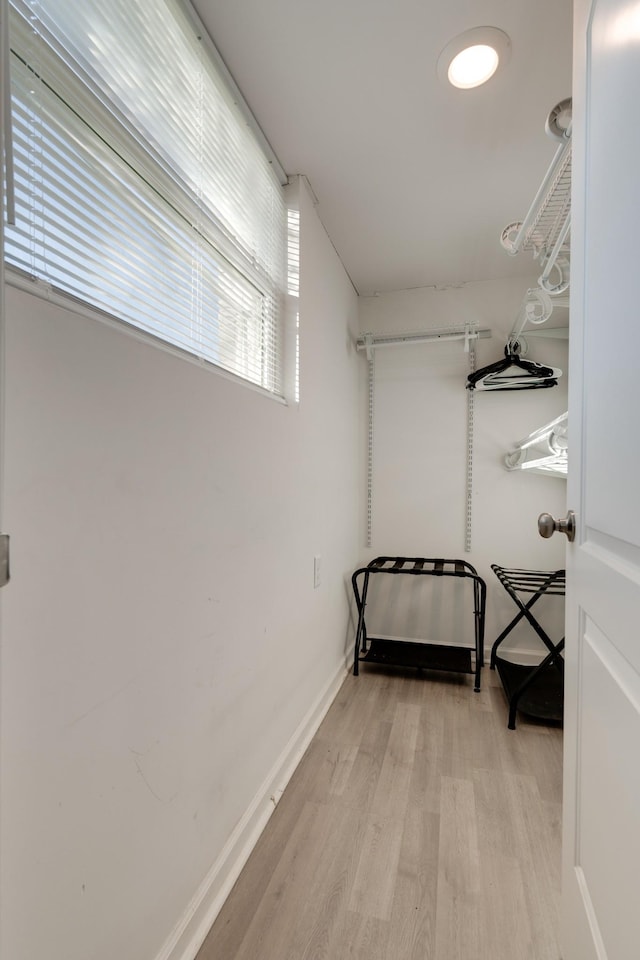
473 57
473 66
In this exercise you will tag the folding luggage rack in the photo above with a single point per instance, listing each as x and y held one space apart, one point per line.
539 690
406 653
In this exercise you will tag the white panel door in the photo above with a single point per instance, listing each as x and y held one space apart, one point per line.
601 858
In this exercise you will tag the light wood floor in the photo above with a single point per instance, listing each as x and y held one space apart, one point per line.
417 827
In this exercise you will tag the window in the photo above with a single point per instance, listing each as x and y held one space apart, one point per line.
140 187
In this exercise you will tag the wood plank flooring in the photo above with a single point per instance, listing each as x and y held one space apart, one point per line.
417 827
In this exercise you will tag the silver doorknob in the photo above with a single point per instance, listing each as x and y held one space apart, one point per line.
547 525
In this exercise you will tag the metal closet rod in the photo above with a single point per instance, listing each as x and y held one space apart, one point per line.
367 340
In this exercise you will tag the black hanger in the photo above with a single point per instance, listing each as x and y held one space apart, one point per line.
528 375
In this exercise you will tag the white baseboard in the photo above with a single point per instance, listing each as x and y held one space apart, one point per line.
189 934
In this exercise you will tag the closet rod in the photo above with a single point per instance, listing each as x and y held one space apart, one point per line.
367 341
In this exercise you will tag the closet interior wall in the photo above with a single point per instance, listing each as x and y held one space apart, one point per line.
166 655
420 442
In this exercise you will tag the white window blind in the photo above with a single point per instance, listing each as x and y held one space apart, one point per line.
140 187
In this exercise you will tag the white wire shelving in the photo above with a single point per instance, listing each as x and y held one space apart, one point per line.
546 227
545 231
545 451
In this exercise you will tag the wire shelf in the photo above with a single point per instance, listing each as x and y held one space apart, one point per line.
545 451
546 227
548 217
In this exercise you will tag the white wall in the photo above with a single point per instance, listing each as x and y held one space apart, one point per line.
420 444
165 652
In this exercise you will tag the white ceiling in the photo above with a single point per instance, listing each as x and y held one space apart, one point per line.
415 180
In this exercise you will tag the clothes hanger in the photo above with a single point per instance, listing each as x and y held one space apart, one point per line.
513 373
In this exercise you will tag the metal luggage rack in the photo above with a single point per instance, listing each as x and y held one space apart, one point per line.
537 691
422 655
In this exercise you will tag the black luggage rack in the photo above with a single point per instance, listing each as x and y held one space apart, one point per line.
406 653
537 691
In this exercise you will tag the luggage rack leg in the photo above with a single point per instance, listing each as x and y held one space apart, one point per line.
361 633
